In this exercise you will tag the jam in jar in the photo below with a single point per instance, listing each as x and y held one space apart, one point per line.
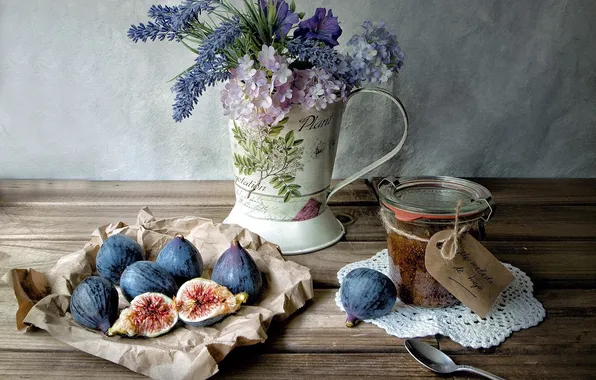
413 210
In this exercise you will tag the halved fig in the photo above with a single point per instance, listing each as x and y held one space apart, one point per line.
201 302
149 314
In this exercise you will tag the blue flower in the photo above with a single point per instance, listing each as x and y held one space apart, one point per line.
285 19
322 56
375 55
320 27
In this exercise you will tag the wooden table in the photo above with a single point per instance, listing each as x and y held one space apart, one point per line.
547 228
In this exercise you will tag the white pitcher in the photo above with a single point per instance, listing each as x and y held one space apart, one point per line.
283 173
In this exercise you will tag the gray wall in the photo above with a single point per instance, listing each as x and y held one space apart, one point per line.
503 88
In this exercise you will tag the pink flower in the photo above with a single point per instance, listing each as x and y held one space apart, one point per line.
268 58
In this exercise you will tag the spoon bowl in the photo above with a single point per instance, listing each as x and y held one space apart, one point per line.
435 360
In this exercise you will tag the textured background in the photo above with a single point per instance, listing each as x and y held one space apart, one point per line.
503 88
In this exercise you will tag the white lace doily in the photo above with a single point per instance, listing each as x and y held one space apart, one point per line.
516 309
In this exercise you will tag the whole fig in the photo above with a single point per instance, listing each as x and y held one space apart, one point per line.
115 254
94 303
181 259
236 270
366 293
144 277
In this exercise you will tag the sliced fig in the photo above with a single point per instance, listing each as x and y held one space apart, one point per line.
149 314
201 302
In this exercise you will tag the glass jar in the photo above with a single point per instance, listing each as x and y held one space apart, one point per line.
413 210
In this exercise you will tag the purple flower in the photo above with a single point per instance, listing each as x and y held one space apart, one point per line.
320 27
285 19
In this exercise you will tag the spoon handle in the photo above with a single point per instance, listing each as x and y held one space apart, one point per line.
478 371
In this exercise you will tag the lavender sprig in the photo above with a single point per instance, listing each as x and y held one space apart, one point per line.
190 85
160 29
219 40
189 11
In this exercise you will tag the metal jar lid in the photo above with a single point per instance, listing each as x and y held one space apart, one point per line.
435 198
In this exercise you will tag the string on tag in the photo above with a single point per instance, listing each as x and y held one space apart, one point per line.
454 237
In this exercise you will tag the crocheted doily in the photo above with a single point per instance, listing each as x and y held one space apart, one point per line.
515 310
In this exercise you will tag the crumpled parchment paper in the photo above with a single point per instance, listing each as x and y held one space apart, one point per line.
185 352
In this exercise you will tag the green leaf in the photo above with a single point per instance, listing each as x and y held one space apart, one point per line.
292 151
283 121
298 142
287 178
295 193
275 131
289 137
287 197
282 190
301 15
294 187
293 6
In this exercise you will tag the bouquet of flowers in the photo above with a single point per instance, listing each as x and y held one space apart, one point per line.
269 55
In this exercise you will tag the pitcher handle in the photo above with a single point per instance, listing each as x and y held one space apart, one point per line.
386 157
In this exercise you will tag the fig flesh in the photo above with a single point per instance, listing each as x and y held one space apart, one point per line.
181 259
94 303
149 315
146 277
365 294
115 255
201 302
236 270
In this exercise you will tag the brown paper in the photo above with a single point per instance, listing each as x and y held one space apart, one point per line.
185 352
474 276
29 287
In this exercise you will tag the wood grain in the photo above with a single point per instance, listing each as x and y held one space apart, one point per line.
69 222
141 193
547 228
320 328
560 264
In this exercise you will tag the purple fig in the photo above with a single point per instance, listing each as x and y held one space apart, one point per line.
236 270
366 293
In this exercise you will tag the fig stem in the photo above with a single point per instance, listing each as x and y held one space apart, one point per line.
180 236
351 321
235 242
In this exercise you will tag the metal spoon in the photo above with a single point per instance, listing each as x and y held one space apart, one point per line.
437 361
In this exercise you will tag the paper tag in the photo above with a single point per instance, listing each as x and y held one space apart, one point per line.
474 276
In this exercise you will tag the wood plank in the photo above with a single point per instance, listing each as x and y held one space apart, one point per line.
244 364
543 367
69 222
320 328
362 222
58 365
562 264
142 193
536 191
